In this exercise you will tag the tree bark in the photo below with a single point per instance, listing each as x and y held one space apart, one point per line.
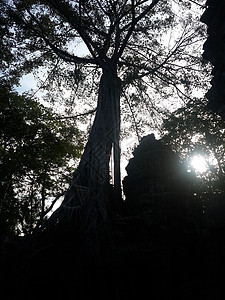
89 191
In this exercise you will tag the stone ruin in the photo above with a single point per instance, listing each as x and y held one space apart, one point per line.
157 182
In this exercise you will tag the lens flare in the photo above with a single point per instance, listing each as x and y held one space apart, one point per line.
198 162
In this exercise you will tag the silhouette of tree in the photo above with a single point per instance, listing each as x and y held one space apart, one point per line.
35 151
196 130
127 56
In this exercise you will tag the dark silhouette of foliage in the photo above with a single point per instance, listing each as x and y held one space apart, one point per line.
196 130
136 257
35 150
126 58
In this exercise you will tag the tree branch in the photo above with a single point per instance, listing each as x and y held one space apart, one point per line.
74 117
67 56
60 52
71 19
135 20
133 117
44 213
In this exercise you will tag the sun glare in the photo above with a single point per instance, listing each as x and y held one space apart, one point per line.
198 162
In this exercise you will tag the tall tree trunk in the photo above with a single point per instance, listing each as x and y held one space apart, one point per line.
90 187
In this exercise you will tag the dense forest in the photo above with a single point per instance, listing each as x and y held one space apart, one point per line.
108 74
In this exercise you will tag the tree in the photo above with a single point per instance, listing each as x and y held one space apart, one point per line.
127 50
35 151
196 130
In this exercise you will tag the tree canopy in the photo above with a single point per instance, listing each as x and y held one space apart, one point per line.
35 155
136 53
156 46
195 130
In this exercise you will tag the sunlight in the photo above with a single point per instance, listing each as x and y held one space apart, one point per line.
198 162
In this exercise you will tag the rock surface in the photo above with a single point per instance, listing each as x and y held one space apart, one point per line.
214 52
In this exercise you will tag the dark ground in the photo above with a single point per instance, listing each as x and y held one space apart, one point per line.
136 260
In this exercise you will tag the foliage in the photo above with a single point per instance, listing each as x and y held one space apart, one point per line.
196 130
147 54
36 151
156 46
